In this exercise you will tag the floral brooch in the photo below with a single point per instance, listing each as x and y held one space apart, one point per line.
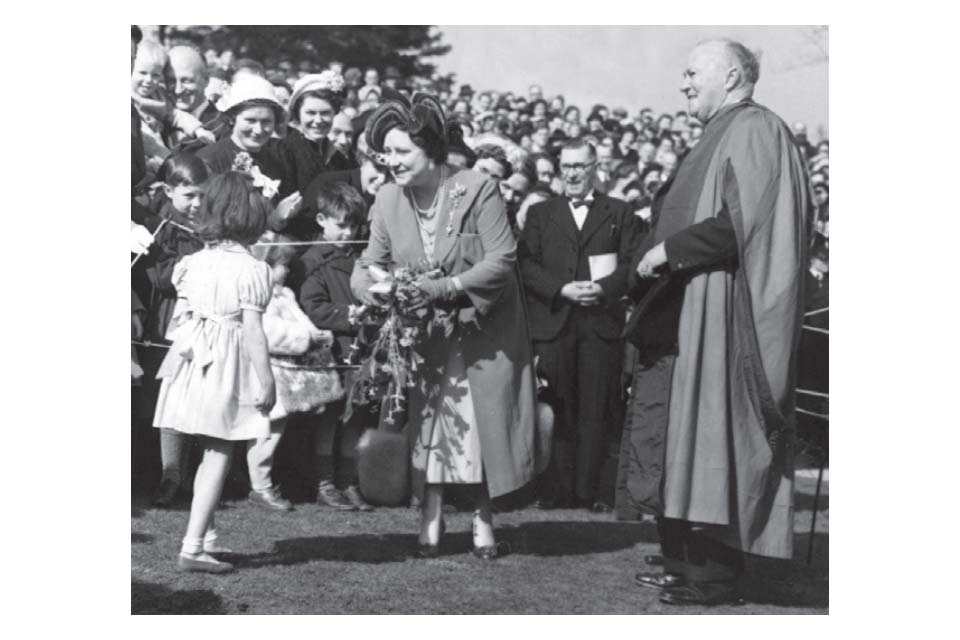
456 195
245 164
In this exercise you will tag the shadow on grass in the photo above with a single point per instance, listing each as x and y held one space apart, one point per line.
533 538
576 538
140 538
791 583
149 599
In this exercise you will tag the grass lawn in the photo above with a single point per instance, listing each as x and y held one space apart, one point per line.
318 561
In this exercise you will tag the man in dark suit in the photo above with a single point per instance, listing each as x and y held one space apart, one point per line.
574 258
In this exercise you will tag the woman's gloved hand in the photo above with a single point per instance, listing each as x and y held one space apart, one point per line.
438 289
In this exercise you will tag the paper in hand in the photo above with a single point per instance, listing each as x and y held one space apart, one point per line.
602 265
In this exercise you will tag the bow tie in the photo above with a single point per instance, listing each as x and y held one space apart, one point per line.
576 204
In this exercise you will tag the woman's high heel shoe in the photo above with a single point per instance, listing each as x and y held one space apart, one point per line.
486 552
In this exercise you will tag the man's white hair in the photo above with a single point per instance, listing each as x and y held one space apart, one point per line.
192 54
745 60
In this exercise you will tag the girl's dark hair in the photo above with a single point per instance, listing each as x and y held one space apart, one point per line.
136 34
335 100
183 168
422 118
342 202
232 209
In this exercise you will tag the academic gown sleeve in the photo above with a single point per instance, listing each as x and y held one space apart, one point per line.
702 245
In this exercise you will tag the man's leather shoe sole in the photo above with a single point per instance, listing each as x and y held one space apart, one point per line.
659 580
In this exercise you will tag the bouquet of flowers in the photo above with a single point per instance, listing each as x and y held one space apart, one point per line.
389 363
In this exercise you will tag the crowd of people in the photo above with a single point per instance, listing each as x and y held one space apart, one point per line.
264 197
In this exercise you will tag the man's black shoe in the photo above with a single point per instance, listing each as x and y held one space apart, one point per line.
702 593
659 580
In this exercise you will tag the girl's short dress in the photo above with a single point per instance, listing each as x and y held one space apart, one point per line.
209 385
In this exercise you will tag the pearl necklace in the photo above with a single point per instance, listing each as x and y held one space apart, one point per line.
430 212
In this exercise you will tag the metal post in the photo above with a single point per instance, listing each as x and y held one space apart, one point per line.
813 521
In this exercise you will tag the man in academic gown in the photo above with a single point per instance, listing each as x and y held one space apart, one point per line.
574 256
707 445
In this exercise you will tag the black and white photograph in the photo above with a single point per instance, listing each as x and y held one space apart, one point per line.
491 320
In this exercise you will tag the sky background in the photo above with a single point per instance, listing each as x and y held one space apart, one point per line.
637 66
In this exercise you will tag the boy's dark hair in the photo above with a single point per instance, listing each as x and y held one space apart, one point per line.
183 168
232 209
135 34
343 202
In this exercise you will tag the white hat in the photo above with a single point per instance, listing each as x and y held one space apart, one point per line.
247 87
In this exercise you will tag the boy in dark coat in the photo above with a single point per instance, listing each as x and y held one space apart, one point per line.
326 298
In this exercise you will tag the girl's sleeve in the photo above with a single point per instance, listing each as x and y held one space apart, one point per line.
179 275
181 308
254 286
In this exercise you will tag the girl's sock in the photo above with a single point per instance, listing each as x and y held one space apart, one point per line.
192 546
210 537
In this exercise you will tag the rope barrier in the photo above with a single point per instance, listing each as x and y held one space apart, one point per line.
818 311
307 242
152 236
157 345
292 243
814 414
816 329
813 393
147 343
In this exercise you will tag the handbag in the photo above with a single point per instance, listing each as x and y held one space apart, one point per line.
383 460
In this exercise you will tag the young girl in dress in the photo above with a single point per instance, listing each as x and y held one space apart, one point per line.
217 383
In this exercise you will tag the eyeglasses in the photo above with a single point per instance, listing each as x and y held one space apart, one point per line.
575 168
